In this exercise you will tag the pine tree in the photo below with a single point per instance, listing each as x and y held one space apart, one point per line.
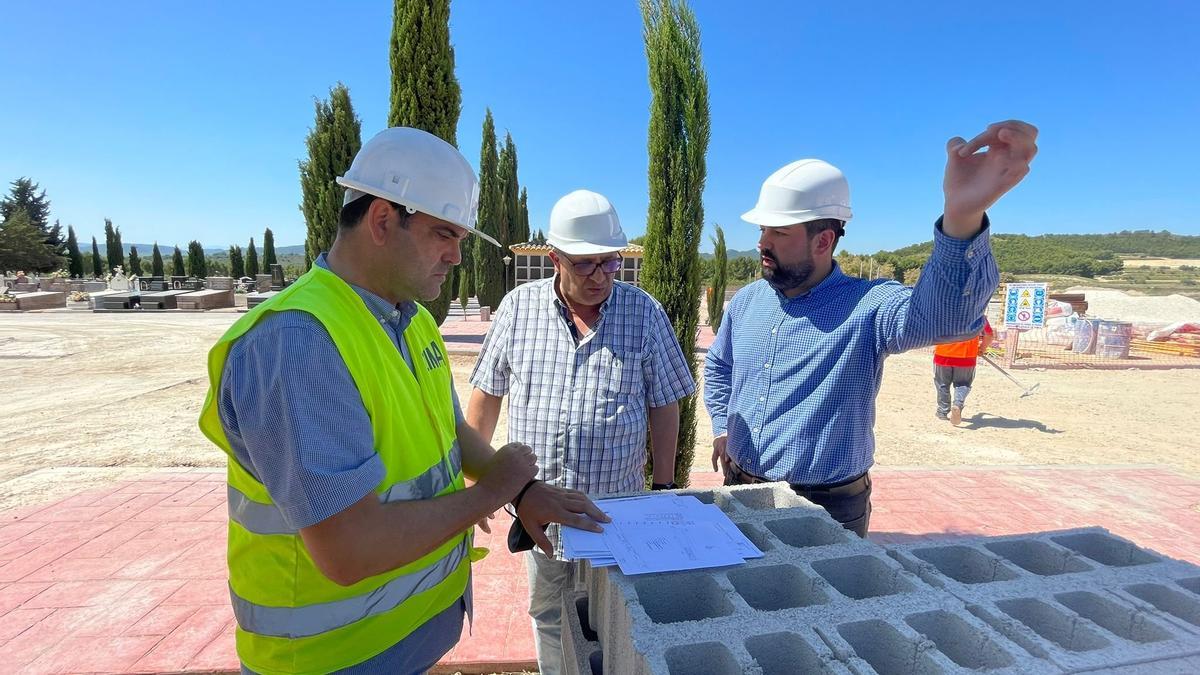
156 262
135 263
97 262
197 264
177 268
22 246
24 196
268 250
237 267
425 92
73 255
55 241
716 292
332 144
489 268
678 140
251 260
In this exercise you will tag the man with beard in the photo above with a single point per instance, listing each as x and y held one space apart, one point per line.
791 381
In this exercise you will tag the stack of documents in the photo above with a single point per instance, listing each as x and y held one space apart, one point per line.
660 533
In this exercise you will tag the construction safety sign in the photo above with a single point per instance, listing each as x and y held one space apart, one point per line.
1025 305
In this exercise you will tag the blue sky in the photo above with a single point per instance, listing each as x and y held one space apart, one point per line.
186 120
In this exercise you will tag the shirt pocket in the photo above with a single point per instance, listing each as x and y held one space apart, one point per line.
620 384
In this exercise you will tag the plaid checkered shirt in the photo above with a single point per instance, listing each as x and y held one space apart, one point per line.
583 405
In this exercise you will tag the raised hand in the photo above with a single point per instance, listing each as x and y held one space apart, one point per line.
975 180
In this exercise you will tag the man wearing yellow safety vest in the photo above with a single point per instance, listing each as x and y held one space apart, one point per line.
350 519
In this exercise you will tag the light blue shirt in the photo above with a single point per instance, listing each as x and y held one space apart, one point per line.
793 381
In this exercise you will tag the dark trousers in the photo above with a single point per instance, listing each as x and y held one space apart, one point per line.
956 377
848 502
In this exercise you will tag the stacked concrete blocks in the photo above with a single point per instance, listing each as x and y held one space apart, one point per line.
1059 595
821 600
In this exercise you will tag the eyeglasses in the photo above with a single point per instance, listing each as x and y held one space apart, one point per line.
587 269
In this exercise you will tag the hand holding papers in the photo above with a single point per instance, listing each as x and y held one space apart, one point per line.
660 533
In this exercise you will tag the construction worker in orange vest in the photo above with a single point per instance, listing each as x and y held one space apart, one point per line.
954 365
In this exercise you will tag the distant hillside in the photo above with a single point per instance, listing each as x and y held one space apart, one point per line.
1084 255
732 254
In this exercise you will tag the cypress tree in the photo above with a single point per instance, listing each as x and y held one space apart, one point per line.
425 92
268 250
177 268
510 193
73 254
156 262
110 244
120 251
332 143
678 140
237 267
464 287
97 263
251 260
135 263
716 292
197 265
523 230
489 268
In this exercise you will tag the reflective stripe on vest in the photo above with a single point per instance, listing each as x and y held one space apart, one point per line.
301 622
262 518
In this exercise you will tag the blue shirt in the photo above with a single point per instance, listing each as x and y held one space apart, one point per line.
295 420
793 381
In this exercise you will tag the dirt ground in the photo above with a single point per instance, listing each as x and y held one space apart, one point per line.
1160 262
91 398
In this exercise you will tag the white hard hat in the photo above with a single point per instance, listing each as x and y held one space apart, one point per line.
585 223
419 171
803 191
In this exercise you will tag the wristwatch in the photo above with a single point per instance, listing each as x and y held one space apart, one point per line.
663 486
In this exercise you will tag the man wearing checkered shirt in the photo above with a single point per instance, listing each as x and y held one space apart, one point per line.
588 364
791 380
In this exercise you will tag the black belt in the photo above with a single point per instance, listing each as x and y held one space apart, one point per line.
848 486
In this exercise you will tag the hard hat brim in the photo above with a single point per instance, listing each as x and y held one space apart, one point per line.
776 219
383 194
583 248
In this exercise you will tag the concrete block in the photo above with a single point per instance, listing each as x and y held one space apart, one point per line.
1171 599
1087 628
1034 562
581 649
1105 548
1039 557
823 600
